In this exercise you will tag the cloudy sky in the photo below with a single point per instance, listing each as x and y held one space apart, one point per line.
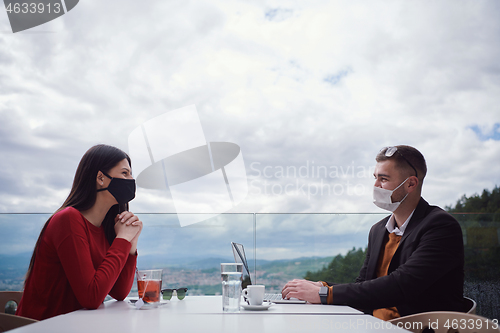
301 87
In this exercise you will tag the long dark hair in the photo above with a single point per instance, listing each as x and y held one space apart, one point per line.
83 192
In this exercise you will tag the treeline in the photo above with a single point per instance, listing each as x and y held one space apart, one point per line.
479 217
480 227
486 203
342 269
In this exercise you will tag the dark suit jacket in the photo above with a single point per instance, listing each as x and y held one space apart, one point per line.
426 272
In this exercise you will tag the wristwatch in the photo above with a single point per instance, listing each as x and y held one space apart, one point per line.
323 295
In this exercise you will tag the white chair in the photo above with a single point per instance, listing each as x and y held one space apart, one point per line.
446 322
471 305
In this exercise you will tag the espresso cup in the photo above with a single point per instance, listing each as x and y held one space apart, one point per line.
254 294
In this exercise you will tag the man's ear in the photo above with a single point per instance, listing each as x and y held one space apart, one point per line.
413 182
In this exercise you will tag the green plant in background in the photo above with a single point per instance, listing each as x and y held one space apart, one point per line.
342 269
487 202
479 215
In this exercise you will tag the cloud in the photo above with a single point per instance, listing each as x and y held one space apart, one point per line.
324 82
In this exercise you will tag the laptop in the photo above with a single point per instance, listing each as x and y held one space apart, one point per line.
240 257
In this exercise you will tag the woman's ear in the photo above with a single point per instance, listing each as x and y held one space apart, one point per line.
100 179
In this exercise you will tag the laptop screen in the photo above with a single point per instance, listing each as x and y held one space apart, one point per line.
240 257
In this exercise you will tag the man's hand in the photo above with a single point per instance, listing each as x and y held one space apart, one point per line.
302 289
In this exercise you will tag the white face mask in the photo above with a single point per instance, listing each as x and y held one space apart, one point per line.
382 198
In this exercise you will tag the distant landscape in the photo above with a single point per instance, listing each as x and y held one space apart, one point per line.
200 275
12 270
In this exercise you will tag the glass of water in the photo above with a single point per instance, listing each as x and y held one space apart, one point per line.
231 286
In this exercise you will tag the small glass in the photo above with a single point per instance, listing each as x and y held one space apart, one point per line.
149 285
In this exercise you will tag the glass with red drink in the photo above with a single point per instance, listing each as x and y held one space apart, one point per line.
149 285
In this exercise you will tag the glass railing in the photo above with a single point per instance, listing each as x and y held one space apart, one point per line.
278 247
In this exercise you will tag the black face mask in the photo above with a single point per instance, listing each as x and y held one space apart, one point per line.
122 189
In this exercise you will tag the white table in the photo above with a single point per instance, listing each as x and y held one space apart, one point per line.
213 304
204 314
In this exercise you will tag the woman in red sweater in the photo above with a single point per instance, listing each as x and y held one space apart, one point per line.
87 249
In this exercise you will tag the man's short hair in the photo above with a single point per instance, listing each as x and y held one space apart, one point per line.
405 157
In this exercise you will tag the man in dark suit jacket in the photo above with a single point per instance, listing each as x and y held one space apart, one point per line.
415 257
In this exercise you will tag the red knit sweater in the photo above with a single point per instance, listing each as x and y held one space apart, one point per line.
76 268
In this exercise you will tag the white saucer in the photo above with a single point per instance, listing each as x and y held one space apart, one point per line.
147 306
264 306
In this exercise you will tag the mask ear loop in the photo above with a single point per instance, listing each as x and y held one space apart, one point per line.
400 201
105 174
401 184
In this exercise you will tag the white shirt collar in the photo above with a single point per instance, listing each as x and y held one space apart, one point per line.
392 227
